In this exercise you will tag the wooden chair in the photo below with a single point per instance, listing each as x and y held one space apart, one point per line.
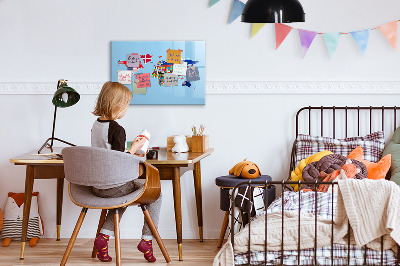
85 167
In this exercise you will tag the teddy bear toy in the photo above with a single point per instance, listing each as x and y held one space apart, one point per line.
13 215
180 144
245 169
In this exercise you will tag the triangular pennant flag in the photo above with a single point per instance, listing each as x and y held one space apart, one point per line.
281 31
306 39
256 27
213 2
361 37
390 32
237 9
332 41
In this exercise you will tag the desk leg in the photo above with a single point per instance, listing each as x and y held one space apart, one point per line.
27 206
176 182
60 190
199 204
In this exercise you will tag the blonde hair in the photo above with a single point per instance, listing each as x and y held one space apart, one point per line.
112 99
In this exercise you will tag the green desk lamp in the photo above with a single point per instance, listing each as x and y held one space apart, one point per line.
65 96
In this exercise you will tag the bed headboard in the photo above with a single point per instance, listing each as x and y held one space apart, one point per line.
344 121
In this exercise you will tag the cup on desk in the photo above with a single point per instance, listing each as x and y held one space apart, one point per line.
152 155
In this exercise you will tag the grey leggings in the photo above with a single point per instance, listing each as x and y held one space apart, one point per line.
154 208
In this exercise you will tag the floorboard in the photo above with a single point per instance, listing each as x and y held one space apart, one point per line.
50 252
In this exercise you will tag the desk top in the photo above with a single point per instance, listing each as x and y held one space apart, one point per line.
164 157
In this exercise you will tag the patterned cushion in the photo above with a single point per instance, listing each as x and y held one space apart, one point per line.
372 144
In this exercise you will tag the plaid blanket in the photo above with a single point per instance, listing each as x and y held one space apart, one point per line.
323 205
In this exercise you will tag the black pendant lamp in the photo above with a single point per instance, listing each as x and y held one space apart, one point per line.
273 11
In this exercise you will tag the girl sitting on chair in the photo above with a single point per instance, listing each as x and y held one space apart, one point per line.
112 104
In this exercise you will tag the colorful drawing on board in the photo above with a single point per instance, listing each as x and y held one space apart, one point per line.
163 72
174 56
144 80
187 84
146 58
192 74
125 77
170 79
180 69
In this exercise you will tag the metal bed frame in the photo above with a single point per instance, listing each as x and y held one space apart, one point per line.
283 184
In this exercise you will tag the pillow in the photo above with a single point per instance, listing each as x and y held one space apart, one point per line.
393 148
375 170
372 144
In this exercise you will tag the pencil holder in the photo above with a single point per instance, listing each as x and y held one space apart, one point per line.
200 143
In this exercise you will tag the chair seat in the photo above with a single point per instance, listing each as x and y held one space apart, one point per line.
83 196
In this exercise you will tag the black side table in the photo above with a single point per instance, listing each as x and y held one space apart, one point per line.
226 183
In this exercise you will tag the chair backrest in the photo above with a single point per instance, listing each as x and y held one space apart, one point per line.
92 166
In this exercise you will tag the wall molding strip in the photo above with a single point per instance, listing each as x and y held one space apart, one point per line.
231 87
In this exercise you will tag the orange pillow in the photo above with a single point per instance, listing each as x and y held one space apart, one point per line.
375 170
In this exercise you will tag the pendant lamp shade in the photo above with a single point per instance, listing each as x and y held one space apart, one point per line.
273 11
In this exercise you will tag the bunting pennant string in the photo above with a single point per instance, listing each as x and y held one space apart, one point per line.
332 41
361 37
306 39
389 30
281 31
237 9
256 27
213 2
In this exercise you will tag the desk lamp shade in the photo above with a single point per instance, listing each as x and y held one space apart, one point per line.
64 96
273 11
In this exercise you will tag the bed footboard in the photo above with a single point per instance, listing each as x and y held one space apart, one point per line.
310 254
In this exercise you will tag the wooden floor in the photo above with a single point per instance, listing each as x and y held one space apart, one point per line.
50 252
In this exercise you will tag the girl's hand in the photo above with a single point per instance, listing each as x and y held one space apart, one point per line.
137 144
143 155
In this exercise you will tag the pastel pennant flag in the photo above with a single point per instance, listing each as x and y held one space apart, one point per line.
213 2
361 37
306 39
281 31
389 30
237 9
256 27
332 41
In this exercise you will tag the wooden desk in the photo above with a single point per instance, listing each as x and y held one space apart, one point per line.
40 167
171 167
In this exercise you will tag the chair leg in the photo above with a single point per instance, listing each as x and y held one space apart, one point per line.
73 237
117 239
101 222
223 229
154 230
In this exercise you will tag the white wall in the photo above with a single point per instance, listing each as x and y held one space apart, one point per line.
42 41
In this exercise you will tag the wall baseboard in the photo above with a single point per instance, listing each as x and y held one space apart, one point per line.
231 87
